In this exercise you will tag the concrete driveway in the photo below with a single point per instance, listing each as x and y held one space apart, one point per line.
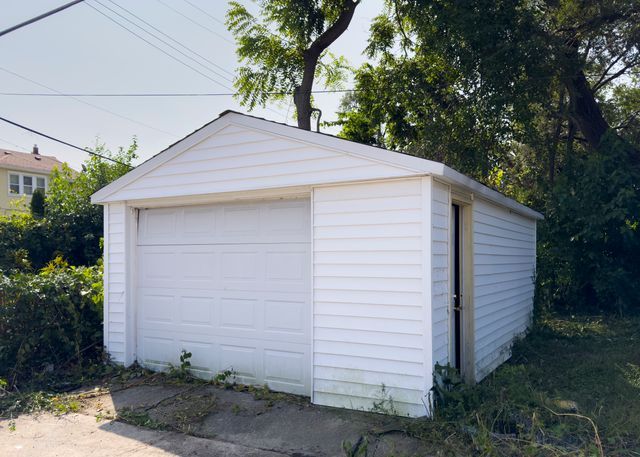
164 418
78 435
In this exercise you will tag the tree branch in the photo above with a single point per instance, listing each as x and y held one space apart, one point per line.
604 81
330 35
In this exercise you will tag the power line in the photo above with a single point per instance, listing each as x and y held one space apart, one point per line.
155 46
40 17
28 129
162 94
162 50
58 93
193 21
14 144
172 39
202 11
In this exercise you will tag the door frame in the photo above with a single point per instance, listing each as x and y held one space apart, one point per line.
467 351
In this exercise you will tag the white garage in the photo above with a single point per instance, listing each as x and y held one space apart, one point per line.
312 264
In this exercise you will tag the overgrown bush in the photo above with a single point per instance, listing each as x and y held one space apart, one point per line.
49 320
25 242
590 243
66 225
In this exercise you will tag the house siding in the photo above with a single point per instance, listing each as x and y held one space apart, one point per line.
115 281
239 158
504 260
369 324
440 241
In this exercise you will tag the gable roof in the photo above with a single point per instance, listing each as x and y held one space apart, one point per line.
21 161
394 164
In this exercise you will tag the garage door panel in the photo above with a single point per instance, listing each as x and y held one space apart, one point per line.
198 223
159 350
240 263
286 317
159 225
157 267
283 366
231 285
238 313
196 266
241 221
196 311
158 308
241 359
283 221
203 355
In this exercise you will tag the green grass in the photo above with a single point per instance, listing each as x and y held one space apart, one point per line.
572 387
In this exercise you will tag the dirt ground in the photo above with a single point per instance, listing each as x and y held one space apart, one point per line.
200 419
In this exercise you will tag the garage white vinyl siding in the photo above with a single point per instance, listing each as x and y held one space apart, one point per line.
238 158
368 313
440 245
229 283
115 281
504 263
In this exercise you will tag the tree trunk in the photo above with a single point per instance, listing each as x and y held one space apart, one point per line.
553 152
302 93
585 112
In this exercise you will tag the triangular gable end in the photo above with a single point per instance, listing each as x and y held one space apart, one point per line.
241 153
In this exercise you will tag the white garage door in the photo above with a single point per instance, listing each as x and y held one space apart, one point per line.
230 284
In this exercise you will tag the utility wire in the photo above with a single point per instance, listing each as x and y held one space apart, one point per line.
57 93
162 50
162 94
172 39
40 17
28 129
14 145
193 21
203 12
155 46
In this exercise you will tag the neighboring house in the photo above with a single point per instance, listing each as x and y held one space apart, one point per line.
313 264
21 173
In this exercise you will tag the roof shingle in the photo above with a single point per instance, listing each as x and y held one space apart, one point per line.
28 161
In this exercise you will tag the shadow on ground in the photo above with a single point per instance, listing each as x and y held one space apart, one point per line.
260 420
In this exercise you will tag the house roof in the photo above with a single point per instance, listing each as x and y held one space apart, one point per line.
15 160
411 165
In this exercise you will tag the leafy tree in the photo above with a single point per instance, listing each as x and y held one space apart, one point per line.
532 98
37 203
71 226
590 245
76 223
288 50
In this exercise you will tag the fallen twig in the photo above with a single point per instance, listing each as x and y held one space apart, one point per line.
597 439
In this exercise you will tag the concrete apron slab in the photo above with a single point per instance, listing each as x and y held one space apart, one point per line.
79 435
213 420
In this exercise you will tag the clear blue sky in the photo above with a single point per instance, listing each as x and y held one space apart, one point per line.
79 50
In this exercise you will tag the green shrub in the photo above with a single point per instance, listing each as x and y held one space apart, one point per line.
590 243
37 204
25 242
49 320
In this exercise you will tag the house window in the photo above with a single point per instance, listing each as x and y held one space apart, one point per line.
40 183
14 184
27 185
20 184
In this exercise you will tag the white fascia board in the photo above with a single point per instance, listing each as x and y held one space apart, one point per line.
453 177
